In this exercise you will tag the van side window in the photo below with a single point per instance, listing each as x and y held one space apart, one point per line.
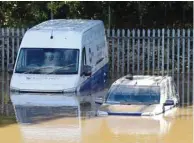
83 62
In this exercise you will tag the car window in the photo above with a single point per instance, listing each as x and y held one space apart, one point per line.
134 94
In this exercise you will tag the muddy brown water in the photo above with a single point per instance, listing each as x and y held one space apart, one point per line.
176 126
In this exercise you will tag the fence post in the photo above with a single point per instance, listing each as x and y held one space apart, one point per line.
138 47
13 44
133 51
188 70
113 53
23 32
183 64
143 46
178 51
168 50
159 51
2 93
107 31
18 39
153 58
173 35
118 52
128 49
162 52
123 51
7 46
148 64
3 49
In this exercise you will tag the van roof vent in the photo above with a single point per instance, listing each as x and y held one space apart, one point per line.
129 76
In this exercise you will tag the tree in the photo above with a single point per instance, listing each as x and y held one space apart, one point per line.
126 14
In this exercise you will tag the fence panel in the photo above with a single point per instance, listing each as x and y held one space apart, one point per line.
154 52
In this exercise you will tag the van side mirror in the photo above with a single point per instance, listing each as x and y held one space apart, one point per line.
169 102
87 71
99 100
10 68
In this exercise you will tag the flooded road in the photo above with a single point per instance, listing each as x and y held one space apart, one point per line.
170 129
59 121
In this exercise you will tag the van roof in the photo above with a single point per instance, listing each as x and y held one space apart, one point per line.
140 80
77 25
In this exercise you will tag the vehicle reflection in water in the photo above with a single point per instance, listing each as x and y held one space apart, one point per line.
47 118
159 125
57 118
125 129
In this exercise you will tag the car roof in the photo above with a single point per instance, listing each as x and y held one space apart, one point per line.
140 80
123 83
137 81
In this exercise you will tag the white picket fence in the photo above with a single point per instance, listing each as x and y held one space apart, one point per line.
138 51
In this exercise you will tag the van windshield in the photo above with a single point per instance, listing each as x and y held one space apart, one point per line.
47 61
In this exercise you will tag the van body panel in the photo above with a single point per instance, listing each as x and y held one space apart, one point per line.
97 82
42 39
28 82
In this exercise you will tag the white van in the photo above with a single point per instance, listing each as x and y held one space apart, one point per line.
62 56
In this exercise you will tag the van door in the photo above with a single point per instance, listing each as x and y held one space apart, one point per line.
99 75
85 87
97 78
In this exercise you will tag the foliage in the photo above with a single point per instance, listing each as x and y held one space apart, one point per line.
129 14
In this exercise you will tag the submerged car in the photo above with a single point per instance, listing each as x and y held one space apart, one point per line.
139 95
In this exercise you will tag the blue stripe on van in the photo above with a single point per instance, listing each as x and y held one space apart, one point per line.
95 82
125 114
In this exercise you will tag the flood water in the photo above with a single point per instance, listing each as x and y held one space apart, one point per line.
57 122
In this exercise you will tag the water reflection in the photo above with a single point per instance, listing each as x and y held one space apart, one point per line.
48 118
58 118
158 125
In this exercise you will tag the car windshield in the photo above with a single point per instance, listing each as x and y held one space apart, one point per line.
48 61
134 95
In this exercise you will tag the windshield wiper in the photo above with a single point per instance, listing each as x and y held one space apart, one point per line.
59 68
120 103
31 70
37 68
125 103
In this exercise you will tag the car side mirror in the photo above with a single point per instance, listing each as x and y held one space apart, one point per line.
10 68
87 71
169 102
99 100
